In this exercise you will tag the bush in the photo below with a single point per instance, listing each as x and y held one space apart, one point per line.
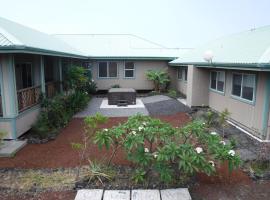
172 93
57 112
156 147
115 86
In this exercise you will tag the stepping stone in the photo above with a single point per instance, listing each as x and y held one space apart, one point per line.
145 195
94 194
175 194
116 195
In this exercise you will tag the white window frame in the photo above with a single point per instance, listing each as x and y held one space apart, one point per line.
129 70
217 76
108 77
241 92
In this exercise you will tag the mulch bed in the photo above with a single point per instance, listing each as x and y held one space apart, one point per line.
58 153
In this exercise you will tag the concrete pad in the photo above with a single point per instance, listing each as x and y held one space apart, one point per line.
116 195
145 195
11 147
94 194
175 194
155 98
183 101
104 104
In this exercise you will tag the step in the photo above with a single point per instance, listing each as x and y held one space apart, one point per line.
138 194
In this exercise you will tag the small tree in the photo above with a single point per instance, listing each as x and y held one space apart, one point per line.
223 116
160 78
90 127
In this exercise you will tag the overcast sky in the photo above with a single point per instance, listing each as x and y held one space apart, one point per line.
173 23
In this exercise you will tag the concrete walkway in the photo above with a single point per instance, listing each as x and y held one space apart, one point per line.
100 194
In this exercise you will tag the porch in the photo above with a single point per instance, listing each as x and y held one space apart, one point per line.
24 79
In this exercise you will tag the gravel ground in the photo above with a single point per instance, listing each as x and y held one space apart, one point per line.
167 107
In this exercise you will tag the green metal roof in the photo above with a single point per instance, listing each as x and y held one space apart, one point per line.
249 48
17 38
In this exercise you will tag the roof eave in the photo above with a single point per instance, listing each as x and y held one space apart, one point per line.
32 50
131 58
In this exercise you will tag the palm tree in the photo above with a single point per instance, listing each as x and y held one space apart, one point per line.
159 78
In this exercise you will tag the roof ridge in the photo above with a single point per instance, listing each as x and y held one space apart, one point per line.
116 34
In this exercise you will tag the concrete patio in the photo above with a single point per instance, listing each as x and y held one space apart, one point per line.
152 105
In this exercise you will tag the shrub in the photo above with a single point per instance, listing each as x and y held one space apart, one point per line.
160 79
172 93
57 112
115 86
156 147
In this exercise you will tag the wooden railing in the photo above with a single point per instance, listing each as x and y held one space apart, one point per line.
52 88
28 97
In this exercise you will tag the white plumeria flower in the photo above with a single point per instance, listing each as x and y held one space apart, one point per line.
146 150
199 149
231 152
105 129
213 133
212 163
144 123
222 142
140 128
133 132
155 155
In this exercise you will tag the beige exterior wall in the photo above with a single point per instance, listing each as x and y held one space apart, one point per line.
197 87
247 114
140 81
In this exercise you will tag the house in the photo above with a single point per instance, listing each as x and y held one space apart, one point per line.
121 59
234 73
34 63
31 63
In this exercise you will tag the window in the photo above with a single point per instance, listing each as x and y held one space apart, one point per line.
24 78
186 73
217 80
243 86
107 69
180 74
129 70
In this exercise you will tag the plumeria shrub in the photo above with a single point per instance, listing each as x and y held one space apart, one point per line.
155 147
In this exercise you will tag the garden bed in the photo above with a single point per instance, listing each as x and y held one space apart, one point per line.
59 153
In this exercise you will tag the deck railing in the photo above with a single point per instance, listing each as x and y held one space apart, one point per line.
28 97
52 88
